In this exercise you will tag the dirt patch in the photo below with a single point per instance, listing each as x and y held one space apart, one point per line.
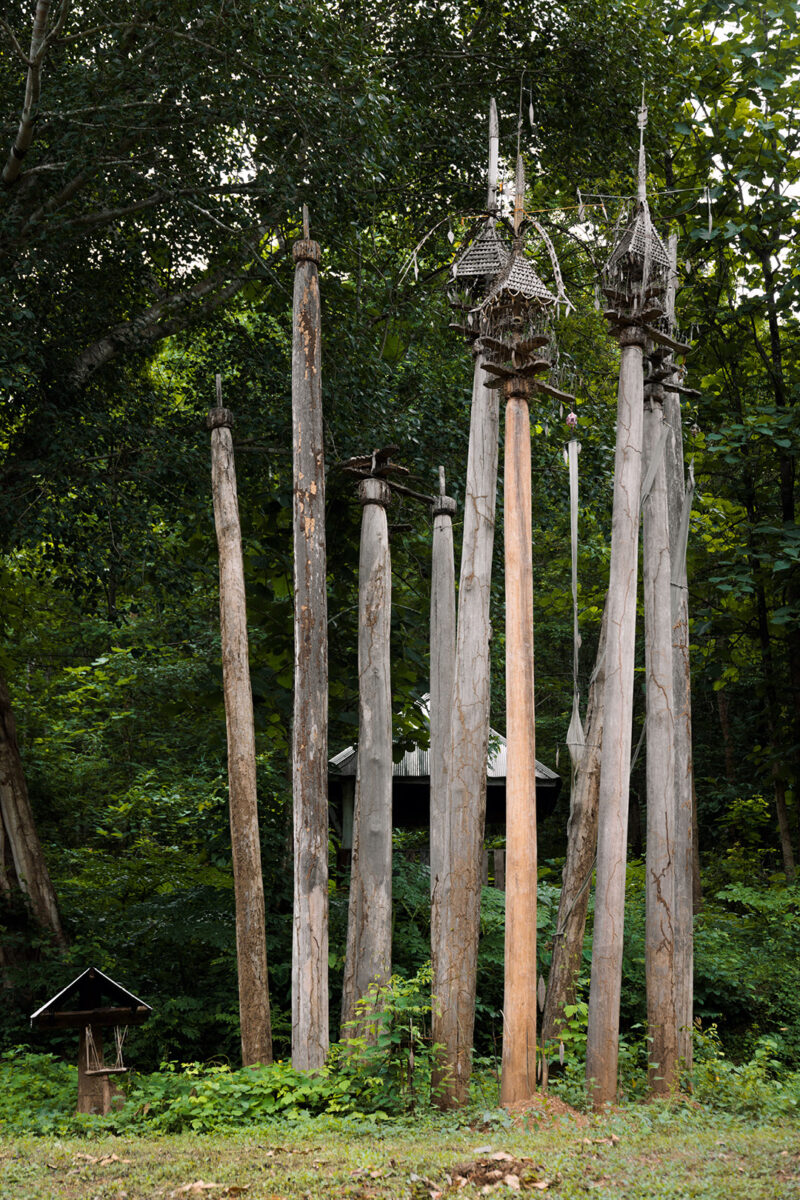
500 1172
542 1106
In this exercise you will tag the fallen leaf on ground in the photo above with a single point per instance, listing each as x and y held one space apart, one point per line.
199 1185
512 1181
501 1156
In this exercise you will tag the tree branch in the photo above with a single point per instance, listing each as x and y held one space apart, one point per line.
41 40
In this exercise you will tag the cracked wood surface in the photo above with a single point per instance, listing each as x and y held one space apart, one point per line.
369 924
602 1048
443 653
518 1080
310 1036
573 902
251 947
455 971
660 861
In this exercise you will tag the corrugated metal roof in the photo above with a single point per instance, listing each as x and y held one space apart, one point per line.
415 764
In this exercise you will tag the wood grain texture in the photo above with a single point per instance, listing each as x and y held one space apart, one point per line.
310 1033
518 1080
602 1049
369 924
442 656
455 972
251 948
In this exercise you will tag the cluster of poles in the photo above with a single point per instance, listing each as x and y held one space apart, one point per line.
504 310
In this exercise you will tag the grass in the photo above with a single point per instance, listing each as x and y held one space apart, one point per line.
647 1152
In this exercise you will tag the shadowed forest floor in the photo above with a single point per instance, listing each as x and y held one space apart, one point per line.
648 1152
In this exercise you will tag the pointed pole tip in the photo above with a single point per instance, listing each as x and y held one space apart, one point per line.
306 231
494 127
218 382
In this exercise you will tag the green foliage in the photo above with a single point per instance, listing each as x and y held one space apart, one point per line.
758 1087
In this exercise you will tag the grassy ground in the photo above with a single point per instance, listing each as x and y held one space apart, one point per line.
640 1154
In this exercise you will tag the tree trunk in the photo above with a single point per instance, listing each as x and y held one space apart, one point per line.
573 902
310 1032
455 974
22 863
661 865
251 947
443 653
518 1080
369 925
602 1048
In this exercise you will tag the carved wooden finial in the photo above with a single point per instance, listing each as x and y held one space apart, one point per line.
218 381
306 233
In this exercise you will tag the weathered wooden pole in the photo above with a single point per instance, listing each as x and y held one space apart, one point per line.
456 964
660 862
518 1080
679 499
443 653
573 902
251 947
635 270
310 1035
369 926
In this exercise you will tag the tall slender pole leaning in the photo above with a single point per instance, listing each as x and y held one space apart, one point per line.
660 912
634 273
443 653
369 926
310 726
679 499
456 963
251 946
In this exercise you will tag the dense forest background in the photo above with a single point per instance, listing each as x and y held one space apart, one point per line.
146 245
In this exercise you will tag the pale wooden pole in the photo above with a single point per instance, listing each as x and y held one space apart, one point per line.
679 499
369 926
443 653
634 279
518 1080
310 1033
660 860
455 969
602 1047
579 863
251 947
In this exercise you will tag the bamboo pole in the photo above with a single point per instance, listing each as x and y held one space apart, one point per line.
660 860
602 1047
369 927
443 652
251 948
310 1036
518 1081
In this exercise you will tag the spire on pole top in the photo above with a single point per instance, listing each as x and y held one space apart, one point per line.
494 150
642 176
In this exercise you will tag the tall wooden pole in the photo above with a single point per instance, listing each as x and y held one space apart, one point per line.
455 971
369 926
678 498
518 1080
310 1035
443 653
602 1046
573 902
251 947
660 909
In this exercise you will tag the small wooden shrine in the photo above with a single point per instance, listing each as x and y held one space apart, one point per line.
93 1003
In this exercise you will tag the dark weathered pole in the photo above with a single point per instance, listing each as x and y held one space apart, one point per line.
660 919
518 1081
251 948
310 726
455 972
443 652
369 925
